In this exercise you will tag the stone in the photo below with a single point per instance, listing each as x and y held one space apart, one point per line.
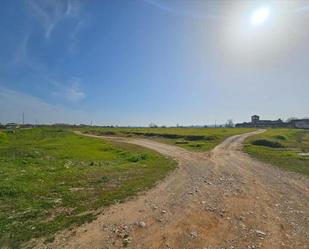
142 224
193 234
259 232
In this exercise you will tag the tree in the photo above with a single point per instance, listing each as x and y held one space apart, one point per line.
153 125
229 123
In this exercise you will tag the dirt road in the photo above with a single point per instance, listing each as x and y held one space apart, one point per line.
220 199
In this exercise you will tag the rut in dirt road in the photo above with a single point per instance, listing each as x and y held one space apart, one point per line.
220 199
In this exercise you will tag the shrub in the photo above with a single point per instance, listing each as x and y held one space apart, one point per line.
137 158
211 138
281 137
196 145
171 136
107 133
181 142
267 143
194 137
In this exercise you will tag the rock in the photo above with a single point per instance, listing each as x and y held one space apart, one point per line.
242 218
159 220
211 209
142 224
260 233
193 234
207 182
163 212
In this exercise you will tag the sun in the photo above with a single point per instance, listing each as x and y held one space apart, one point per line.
260 15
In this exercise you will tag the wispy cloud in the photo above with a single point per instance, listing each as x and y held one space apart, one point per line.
74 36
194 9
21 51
71 92
14 103
51 12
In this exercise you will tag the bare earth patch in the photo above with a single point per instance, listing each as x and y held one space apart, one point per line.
220 199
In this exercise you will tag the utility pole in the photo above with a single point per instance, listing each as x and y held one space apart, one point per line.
23 117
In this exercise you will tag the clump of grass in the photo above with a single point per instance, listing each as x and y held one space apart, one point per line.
267 143
138 158
281 137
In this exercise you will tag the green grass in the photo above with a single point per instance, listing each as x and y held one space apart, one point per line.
281 147
51 179
197 139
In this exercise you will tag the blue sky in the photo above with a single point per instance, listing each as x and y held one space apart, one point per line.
132 62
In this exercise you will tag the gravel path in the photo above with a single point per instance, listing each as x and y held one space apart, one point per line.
214 200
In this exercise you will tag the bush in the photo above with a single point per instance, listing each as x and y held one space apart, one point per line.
137 158
267 143
194 138
107 133
211 138
196 145
181 142
171 136
281 137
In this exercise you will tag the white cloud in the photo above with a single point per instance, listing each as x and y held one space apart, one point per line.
13 104
71 92
51 12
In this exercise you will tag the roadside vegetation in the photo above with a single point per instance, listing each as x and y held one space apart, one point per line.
285 148
198 139
51 178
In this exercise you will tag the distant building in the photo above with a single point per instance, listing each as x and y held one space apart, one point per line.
299 123
12 126
256 122
255 119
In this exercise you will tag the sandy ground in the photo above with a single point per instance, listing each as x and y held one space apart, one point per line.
214 200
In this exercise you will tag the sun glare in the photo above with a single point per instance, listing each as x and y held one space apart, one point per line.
260 16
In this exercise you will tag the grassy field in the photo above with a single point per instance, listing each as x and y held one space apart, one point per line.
281 147
198 139
51 179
